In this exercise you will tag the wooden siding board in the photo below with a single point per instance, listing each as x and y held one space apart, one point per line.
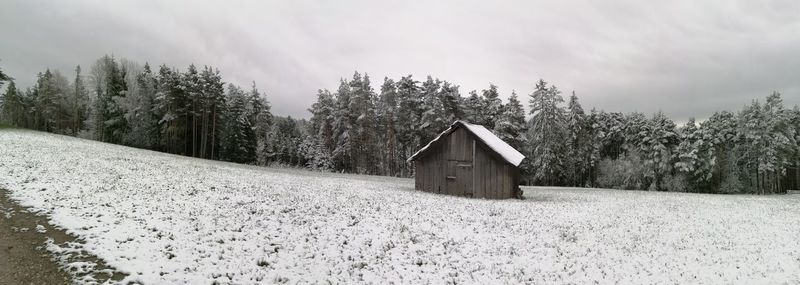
501 180
505 176
453 147
452 184
464 144
442 183
484 177
509 178
487 176
436 171
479 172
428 176
421 174
466 147
459 145
482 174
498 182
418 175
494 180
476 167
432 175
491 177
459 137
489 180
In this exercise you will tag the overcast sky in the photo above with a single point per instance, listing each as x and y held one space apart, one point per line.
687 58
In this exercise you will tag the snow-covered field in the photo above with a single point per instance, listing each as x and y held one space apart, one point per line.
168 219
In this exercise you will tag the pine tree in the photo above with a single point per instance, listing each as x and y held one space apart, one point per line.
612 135
110 88
48 99
9 101
511 126
595 136
472 108
344 134
546 135
795 125
779 145
753 149
143 127
365 125
688 155
286 141
116 124
211 108
718 153
634 130
432 120
191 84
657 148
407 119
388 122
322 122
4 77
79 102
239 139
451 102
170 105
63 103
260 114
316 158
29 115
577 135
12 108
491 107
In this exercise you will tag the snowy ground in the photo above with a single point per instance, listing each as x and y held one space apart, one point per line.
168 219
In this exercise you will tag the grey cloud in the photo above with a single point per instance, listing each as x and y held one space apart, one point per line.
687 58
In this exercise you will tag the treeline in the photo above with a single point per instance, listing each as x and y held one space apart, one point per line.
359 129
190 112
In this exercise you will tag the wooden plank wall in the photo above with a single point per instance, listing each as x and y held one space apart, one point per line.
495 178
430 175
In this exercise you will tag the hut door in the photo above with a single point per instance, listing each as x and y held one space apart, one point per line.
464 173
452 178
459 177
460 154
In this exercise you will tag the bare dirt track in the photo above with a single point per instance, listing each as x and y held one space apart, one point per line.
23 259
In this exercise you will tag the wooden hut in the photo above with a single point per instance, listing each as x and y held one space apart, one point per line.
468 160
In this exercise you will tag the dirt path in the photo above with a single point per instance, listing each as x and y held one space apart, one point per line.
24 258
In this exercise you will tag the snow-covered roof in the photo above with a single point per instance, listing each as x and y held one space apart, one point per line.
508 153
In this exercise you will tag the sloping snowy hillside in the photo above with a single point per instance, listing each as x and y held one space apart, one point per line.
167 219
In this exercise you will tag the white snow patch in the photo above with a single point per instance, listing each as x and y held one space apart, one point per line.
501 147
167 219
